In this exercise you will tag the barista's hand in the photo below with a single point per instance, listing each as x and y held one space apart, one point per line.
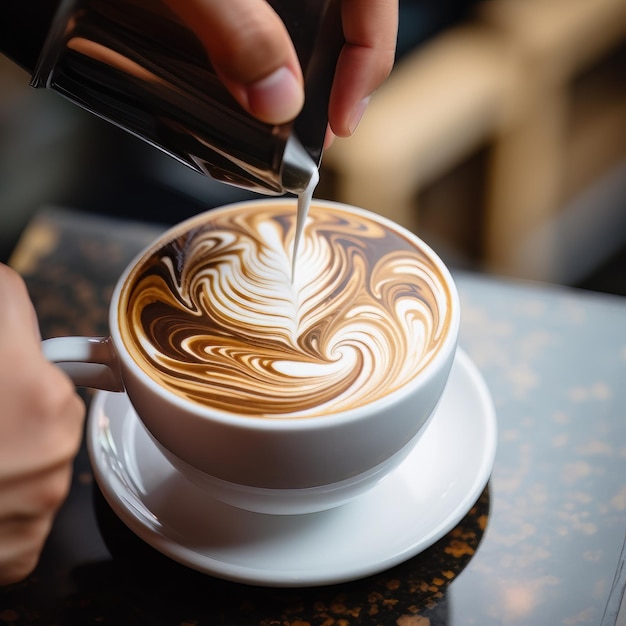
41 420
254 56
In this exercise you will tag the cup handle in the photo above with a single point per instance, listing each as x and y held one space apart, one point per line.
88 361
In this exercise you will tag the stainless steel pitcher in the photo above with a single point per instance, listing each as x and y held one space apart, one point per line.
134 63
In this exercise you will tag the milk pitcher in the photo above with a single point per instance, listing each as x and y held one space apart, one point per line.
135 64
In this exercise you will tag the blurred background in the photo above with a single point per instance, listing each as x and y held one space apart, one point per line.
500 138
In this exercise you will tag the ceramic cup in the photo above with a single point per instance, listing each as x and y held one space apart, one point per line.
279 388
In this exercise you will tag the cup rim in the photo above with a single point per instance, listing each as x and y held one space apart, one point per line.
443 355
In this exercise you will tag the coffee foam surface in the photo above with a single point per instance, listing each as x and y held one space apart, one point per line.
216 316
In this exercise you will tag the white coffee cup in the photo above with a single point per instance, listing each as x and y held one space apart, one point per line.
291 461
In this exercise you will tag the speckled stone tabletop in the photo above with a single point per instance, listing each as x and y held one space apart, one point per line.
541 546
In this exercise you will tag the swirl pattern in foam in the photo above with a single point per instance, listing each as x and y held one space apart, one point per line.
216 316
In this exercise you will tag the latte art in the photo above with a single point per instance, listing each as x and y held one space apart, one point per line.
216 317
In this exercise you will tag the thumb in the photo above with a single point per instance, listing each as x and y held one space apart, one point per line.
251 52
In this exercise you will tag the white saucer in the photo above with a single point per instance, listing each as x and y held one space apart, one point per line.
404 514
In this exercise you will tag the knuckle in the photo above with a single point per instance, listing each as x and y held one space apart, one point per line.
51 492
58 396
386 64
380 64
59 412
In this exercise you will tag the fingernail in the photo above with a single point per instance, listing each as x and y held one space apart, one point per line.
357 114
277 98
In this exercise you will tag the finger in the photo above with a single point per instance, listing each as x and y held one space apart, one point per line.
42 418
42 415
28 505
17 307
370 30
35 494
251 52
21 542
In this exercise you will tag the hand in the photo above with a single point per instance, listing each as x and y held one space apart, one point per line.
251 51
41 419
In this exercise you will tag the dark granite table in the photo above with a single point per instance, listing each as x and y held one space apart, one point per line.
541 546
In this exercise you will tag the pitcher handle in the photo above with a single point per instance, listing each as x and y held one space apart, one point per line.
88 361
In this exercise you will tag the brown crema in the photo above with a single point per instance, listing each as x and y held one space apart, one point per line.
214 315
